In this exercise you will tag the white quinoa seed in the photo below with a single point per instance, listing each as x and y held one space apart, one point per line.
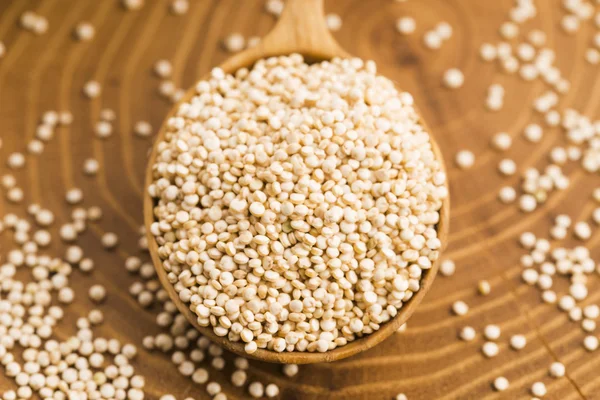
488 52
592 56
444 30
588 325
501 141
109 240
578 290
432 40
447 267
234 43
507 194
533 133
527 203
591 311
570 24
453 78
132 4
97 293
509 30
179 7
575 314
35 147
290 370
537 37
142 129
467 333
490 349
94 213
92 89
492 332
590 343
526 52
460 308
548 296
406 25
464 159
74 196
15 160
66 295
274 7
238 378
333 22
557 370
103 129
84 31
507 167
582 230
271 390
518 342
538 389
91 166
163 68
530 276
501 384
566 303
15 195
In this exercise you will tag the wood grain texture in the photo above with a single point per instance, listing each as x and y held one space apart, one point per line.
425 362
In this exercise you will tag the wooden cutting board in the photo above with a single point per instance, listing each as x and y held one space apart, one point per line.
40 73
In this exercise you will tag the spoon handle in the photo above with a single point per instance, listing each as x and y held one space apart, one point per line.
302 29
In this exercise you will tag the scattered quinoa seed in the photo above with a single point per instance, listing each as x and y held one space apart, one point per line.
110 240
460 308
333 22
507 195
142 129
492 332
490 349
406 25
484 288
163 69
464 159
538 389
590 343
453 78
97 293
518 342
92 89
290 370
85 31
557 370
501 384
447 267
234 43
467 333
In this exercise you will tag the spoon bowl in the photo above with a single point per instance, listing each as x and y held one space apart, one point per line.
300 29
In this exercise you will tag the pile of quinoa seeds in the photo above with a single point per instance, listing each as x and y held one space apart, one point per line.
296 205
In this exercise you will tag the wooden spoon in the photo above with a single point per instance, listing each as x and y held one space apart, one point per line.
300 29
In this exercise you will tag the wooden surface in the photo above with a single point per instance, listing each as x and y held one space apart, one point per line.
426 361
300 29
